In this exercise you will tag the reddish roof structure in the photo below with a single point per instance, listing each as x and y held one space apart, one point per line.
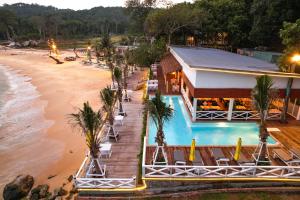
169 64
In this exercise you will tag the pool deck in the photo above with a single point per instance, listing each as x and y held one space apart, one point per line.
289 136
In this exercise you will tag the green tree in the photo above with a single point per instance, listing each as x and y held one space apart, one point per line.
119 80
107 48
290 35
7 22
90 122
268 17
262 95
168 21
159 113
108 99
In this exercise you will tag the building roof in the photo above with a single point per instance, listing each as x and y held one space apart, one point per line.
169 64
213 59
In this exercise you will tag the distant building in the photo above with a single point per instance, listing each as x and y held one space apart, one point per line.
268 56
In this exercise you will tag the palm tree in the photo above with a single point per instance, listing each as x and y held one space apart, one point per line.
263 95
107 48
125 71
118 78
108 99
90 122
160 113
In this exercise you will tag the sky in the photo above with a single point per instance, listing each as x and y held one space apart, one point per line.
76 4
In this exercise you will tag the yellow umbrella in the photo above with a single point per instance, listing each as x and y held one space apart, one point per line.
238 150
192 151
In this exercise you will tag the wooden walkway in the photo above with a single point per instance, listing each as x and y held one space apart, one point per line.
123 162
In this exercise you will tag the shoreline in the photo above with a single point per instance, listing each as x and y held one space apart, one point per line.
60 150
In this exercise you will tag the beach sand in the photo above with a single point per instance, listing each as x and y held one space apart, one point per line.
57 150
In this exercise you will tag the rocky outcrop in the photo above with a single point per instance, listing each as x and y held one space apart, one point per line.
39 192
18 188
28 43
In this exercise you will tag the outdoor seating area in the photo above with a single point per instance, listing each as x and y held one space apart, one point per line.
152 85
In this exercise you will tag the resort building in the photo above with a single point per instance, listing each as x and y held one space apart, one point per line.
217 84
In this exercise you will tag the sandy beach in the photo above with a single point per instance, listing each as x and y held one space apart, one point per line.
55 149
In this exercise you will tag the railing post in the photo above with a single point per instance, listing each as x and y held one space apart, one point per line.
230 109
194 114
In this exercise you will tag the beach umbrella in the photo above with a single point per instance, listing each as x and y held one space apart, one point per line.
192 151
238 149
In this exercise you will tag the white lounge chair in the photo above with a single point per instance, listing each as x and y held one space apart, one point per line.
287 157
219 156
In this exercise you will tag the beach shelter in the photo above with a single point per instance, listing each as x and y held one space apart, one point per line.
192 151
238 150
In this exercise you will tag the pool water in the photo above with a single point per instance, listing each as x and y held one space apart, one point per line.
180 130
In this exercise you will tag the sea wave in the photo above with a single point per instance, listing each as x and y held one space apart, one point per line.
21 115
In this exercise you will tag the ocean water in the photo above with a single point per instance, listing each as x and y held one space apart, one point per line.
180 130
4 87
20 116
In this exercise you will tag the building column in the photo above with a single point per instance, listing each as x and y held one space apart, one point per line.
194 116
181 86
230 109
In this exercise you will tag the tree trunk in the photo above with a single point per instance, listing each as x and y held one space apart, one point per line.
111 123
8 35
263 139
286 100
160 141
120 99
169 39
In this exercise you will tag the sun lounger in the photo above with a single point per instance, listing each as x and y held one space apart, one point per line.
198 159
219 156
242 159
179 157
198 162
286 157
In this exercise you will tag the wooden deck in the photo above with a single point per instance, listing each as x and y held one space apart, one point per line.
123 162
206 155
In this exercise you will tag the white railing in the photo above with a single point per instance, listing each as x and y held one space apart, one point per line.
169 171
228 171
274 116
211 115
245 115
81 181
187 101
105 182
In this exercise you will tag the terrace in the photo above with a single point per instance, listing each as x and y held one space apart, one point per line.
287 137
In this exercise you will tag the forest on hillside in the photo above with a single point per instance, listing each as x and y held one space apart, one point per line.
32 21
228 23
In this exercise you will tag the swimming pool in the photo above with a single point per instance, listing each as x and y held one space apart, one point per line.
180 130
